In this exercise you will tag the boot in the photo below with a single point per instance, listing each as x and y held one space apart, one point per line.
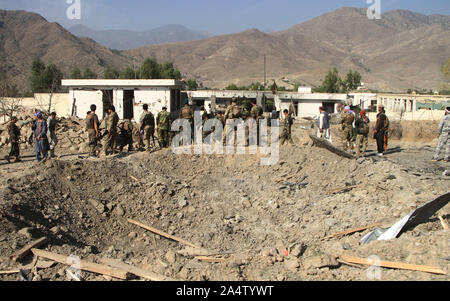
7 158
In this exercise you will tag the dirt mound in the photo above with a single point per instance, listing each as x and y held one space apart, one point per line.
267 222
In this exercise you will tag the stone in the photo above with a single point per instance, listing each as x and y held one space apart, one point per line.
182 203
320 262
132 235
54 230
26 232
171 257
292 264
119 211
299 250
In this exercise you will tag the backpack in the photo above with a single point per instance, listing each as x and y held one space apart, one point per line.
236 112
90 122
148 120
186 113
363 128
126 125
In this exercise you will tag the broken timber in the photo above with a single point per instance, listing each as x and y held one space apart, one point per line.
135 271
394 265
351 231
443 223
339 190
322 143
161 233
26 249
84 265
210 259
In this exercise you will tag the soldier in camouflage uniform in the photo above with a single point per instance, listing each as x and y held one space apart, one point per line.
232 113
164 121
188 114
92 125
444 139
147 127
126 135
287 128
14 138
347 119
111 123
256 115
362 137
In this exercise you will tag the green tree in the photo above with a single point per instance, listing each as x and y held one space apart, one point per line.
76 73
111 73
45 78
168 71
352 81
332 82
89 74
232 87
150 69
128 73
192 84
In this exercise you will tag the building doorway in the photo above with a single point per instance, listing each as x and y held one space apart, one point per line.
329 107
128 104
107 100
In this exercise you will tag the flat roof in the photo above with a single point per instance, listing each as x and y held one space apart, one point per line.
120 83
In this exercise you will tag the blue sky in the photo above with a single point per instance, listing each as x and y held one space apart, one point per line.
214 16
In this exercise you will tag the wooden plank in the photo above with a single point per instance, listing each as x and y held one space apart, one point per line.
443 223
135 271
351 231
344 189
26 249
327 145
395 265
161 233
9 272
84 265
210 259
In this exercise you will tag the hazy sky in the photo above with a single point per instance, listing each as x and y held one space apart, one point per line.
214 16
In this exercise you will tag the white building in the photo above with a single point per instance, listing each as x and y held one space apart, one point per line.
127 96
306 104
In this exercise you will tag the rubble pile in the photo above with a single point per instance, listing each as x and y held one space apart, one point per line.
250 222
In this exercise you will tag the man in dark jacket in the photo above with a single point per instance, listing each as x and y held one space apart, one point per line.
381 130
41 145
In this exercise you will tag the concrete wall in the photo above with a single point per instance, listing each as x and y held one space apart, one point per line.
60 103
156 98
420 115
84 100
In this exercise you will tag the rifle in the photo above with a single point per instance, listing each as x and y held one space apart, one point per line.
101 136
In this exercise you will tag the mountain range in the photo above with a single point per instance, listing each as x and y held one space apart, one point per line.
402 50
126 39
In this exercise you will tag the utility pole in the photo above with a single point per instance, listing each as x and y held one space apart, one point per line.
265 83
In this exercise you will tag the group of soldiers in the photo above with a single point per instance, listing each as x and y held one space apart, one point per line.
355 131
120 134
44 133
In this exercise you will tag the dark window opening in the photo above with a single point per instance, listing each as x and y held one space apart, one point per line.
128 104
107 100
329 107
